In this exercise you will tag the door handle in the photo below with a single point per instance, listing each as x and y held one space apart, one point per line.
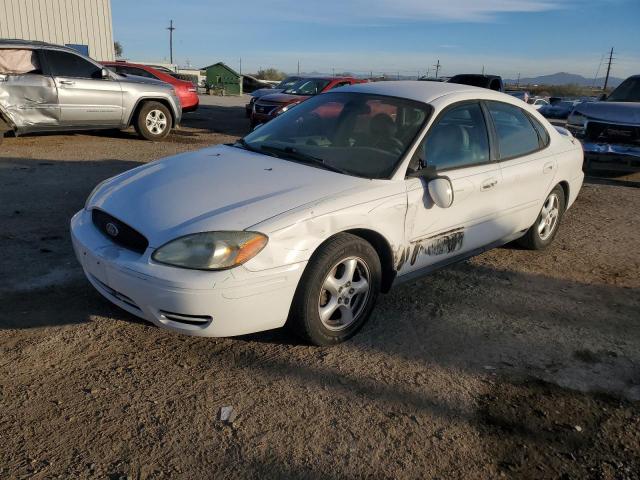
488 184
548 167
67 82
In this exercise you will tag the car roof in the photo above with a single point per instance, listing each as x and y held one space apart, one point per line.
425 92
19 43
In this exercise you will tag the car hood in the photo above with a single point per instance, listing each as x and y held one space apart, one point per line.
218 188
265 91
614 112
283 98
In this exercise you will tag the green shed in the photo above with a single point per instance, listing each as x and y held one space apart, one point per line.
223 78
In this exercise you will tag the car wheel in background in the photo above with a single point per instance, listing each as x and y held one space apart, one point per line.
154 121
543 231
337 291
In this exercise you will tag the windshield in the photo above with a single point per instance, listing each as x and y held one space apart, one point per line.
309 86
359 134
288 83
627 91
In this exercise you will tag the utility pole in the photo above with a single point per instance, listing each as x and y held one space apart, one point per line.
333 72
240 66
171 28
518 80
482 69
437 65
298 67
606 79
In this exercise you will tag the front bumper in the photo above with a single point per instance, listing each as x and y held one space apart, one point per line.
193 302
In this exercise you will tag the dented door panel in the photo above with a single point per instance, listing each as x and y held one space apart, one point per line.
472 221
29 101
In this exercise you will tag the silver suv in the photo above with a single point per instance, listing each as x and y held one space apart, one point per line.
45 87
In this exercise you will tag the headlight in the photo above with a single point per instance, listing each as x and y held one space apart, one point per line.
211 250
93 192
577 119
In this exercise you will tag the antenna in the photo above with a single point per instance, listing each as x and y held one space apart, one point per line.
606 79
171 28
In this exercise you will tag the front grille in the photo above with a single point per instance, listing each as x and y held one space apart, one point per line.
119 232
601 132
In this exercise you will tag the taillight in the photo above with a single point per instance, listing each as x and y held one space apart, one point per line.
192 89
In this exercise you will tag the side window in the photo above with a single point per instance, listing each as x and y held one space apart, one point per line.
65 64
516 134
19 62
542 132
137 71
458 139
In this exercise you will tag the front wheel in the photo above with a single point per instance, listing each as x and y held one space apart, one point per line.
154 121
337 292
543 231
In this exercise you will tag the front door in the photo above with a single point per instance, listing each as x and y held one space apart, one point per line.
85 98
456 146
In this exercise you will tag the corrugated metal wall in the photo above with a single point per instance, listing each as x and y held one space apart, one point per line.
84 22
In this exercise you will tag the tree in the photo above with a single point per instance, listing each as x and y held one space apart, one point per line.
117 48
270 74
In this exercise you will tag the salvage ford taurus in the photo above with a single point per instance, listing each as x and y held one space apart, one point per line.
309 217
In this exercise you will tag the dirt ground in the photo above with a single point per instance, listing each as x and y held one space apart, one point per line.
513 364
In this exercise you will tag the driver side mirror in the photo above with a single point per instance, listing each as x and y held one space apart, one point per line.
441 191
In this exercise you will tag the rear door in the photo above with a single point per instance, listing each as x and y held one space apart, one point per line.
30 97
528 167
85 98
457 146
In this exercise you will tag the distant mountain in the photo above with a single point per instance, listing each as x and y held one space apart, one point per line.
563 78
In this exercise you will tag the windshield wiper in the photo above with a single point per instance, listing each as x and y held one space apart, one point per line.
293 154
243 144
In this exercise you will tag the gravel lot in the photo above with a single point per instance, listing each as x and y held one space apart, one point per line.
516 364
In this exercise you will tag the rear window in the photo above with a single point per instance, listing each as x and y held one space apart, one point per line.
15 61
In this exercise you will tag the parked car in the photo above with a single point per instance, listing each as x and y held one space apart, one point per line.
538 103
187 91
610 129
309 217
270 106
280 87
492 82
521 94
45 87
559 110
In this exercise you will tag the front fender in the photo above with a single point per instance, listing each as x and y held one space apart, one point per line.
295 236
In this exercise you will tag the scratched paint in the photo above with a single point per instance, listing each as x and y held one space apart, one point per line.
442 243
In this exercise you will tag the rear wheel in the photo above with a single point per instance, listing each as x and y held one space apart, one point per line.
154 121
543 231
337 292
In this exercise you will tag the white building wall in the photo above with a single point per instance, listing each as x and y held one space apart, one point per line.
84 22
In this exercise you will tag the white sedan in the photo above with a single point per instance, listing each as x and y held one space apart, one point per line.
309 217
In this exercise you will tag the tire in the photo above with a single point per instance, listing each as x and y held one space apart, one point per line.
154 121
537 237
335 259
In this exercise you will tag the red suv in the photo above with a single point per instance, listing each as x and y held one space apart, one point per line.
187 92
270 106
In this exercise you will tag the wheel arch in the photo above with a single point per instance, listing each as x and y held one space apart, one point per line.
384 251
140 103
565 189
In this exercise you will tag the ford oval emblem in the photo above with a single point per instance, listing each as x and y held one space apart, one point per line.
112 229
